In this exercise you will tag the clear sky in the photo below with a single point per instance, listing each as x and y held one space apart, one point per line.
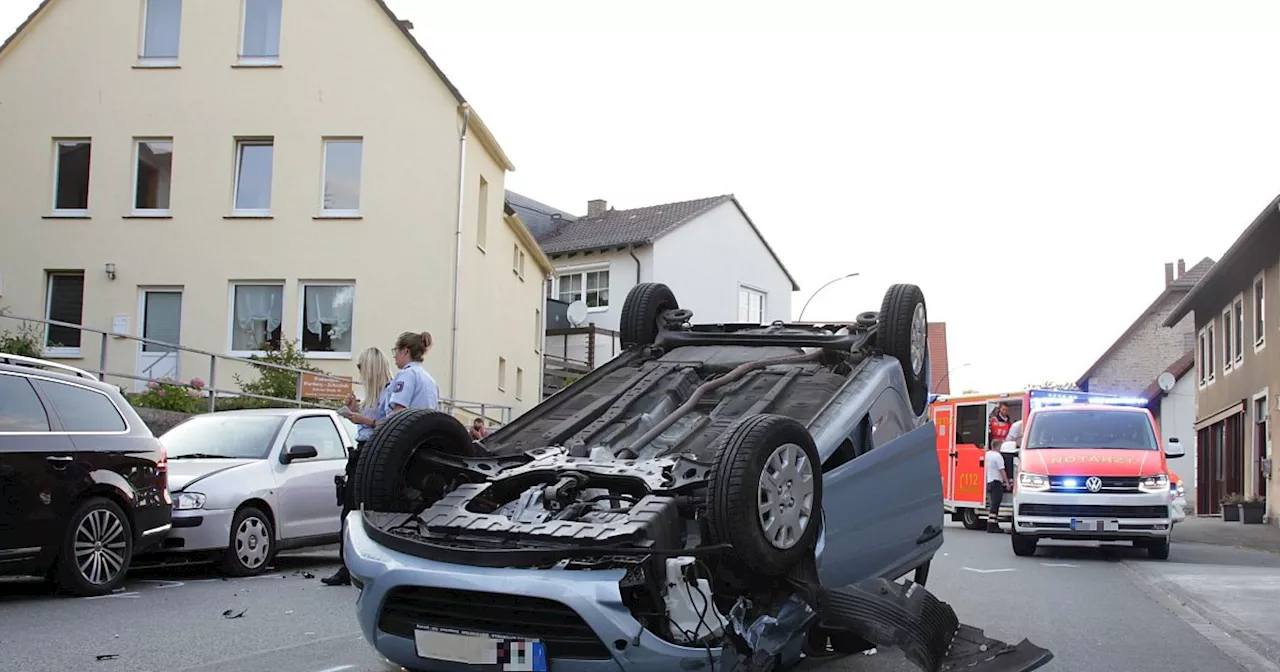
1031 165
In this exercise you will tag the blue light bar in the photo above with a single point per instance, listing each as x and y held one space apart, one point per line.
1042 398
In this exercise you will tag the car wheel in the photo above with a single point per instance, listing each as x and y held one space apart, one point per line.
903 333
97 550
971 520
641 312
765 496
390 477
1023 545
1158 549
252 543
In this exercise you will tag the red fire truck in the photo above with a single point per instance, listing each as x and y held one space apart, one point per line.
964 433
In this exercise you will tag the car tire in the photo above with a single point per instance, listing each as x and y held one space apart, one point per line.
971 520
103 525
641 311
750 458
252 544
903 333
1023 545
388 478
1158 549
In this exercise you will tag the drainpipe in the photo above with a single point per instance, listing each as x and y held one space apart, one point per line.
457 257
631 250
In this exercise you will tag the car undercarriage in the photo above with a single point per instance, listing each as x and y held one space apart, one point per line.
692 467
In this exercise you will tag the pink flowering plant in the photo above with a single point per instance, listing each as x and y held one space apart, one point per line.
169 394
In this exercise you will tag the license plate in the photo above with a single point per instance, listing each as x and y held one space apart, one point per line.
486 652
1092 525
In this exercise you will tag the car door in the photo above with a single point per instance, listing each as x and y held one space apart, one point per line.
34 502
882 510
306 498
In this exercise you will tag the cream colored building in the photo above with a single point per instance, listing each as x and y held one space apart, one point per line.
222 173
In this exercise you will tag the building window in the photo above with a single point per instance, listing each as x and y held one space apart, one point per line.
260 41
517 260
1206 355
152 176
325 318
750 305
590 287
1212 345
482 215
502 374
256 311
550 288
1237 329
1259 311
1227 325
519 383
64 302
253 176
71 177
342 158
161 31
537 330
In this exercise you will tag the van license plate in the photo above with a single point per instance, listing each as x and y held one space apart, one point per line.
1093 525
484 651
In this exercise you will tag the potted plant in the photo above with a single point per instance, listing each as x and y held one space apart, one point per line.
1231 508
1252 508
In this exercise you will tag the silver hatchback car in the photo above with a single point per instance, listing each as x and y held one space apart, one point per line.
248 484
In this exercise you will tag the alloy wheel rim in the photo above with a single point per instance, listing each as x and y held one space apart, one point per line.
99 546
252 542
919 339
785 496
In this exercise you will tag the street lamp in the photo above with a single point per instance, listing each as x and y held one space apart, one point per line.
829 283
948 373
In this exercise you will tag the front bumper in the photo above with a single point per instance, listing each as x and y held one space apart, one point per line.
1050 515
593 597
200 530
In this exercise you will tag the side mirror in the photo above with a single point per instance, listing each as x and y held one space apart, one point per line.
1009 447
299 452
1173 448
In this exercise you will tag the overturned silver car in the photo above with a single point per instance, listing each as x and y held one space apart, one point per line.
719 496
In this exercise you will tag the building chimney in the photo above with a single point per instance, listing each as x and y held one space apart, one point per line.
1182 268
406 24
1168 274
596 207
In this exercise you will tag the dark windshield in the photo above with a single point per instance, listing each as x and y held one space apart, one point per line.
231 436
1092 429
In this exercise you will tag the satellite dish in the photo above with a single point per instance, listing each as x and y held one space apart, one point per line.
576 313
1166 381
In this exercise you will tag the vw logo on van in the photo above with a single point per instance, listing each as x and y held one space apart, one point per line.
1094 484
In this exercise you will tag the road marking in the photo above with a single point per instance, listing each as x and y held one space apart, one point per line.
338 668
125 595
1058 564
1227 643
990 571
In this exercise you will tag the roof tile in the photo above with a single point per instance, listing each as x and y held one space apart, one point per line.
624 227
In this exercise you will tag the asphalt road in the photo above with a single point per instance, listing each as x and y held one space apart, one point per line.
1095 609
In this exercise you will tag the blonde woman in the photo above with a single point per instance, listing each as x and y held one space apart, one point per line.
375 378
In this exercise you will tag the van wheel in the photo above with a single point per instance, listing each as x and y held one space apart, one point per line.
1023 546
971 520
903 333
97 549
1158 549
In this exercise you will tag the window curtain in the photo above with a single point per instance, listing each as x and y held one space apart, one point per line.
256 307
329 306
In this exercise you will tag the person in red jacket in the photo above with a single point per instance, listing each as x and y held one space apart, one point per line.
1000 423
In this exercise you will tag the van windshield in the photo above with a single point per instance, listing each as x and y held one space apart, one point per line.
1092 429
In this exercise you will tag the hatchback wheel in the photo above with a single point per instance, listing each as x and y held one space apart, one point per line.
96 553
252 543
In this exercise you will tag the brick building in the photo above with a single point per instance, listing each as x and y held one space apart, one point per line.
939 365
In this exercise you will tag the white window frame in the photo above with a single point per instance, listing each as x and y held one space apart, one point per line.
1202 374
302 316
517 261
583 270
1228 326
258 61
145 61
538 331
482 214
1238 329
764 301
241 143
133 198
57 164
231 314
519 384
502 374
1206 346
1259 305
324 176
64 352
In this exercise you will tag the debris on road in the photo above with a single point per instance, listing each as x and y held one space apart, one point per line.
232 613
108 656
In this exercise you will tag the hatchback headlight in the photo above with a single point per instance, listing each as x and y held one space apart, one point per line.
1033 482
188 500
1157 483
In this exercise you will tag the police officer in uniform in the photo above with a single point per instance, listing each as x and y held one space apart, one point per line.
413 387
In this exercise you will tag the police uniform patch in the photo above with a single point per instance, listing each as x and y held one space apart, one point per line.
399 386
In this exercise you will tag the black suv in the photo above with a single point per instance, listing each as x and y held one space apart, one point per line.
83 483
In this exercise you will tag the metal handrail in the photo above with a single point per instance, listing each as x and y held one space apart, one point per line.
210 388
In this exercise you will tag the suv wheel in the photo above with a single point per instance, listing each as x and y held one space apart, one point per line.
97 550
252 543
1158 549
903 333
1023 545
